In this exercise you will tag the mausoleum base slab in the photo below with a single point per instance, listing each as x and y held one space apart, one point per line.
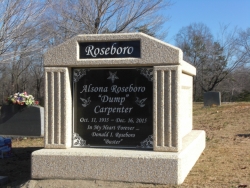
118 164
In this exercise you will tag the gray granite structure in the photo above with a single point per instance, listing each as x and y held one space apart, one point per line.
176 147
22 121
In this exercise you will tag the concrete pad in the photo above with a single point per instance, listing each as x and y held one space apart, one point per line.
118 164
3 180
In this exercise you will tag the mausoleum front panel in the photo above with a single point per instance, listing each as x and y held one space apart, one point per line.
113 107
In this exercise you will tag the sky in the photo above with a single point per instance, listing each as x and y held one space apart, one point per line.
212 13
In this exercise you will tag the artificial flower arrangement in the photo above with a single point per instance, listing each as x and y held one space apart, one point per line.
22 99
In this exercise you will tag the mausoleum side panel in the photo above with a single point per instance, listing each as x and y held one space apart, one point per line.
186 102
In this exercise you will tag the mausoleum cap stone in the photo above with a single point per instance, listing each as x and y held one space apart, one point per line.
153 52
188 69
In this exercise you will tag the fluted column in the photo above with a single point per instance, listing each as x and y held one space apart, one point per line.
166 108
58 108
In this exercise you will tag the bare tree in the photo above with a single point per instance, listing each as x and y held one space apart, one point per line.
234 44
236 47
21 37
235 84
214 60
195 41
243 43
37 74
74 17
17 20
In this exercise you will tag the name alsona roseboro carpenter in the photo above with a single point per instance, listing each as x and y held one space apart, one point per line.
114 89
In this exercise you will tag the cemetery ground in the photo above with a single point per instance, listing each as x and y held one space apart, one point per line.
225 161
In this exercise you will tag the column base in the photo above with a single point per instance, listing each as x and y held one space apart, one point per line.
119 164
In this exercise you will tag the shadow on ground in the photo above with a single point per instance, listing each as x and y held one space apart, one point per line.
17 167
244 135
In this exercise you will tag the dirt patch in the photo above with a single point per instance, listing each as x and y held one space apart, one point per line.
226 160
224 163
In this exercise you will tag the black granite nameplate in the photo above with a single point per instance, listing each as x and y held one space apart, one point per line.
119 49
113 107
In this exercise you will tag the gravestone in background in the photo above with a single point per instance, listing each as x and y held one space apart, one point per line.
8 111
212 98
21 120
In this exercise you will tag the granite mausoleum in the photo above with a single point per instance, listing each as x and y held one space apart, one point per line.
118 107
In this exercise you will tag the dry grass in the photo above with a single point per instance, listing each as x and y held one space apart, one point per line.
224 163
25 142
226 160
